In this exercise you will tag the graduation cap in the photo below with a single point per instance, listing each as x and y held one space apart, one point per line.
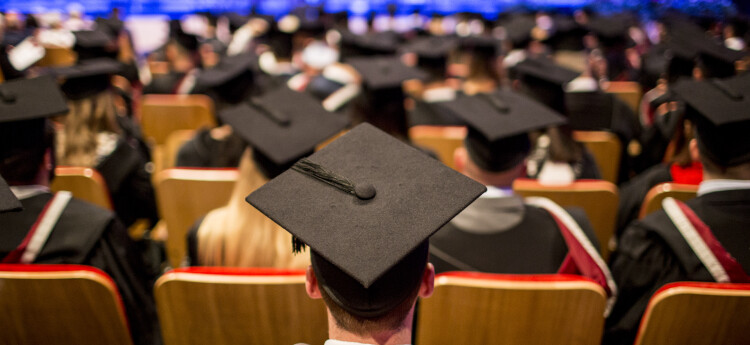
719 108
544 80
282 125
611 30
498 124
518 29
589 111
366 205
231 79
8 201
432 53
373 43
384 72
484 46
87 78
716 59
92 44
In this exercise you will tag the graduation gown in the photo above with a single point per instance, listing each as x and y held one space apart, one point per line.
88 235
652 253
516 239
203 151
129 184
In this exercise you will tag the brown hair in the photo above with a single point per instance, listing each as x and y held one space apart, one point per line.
239 235
77 141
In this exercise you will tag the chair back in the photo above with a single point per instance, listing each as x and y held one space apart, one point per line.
443 140
657 194
57 57
185 195
163 114
85 183
697 313
165 156
628 91
598 198
212 305
60 304
606 149
484 308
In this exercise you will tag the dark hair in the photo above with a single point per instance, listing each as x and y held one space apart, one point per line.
22 149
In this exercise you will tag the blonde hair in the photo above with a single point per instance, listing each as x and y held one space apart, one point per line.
77 141
239 235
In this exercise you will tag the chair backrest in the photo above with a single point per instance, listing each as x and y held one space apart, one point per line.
483 308
165 156
606 149
185 195
211 305
85 183
443 140
60 304
57 57
697 313
657 194
628 91
163 114
598 198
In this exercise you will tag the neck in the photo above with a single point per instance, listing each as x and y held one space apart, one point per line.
387 337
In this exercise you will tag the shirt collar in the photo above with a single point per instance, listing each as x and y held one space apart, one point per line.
721 185
25 192
496 192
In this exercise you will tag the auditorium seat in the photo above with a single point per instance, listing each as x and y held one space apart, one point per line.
163 114
697 313
657 194
85 183
165 156
598 198
184 196
627 91
484 308
442 140
213 305
606 149
60 304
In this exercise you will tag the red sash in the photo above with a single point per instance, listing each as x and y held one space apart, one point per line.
733 270
47 220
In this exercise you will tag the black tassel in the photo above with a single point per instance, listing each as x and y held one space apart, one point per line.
297 245
320 173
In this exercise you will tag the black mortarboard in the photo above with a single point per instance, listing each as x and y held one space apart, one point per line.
373 43
518 29
91 44
8 201
231 79
498 125
717 60
112 26
589 111
87 78
719 108
485 46
611 30
432 53
366 205
544 80
187 41
384 72
282 125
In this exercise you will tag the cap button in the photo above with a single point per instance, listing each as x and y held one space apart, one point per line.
364 191
7 96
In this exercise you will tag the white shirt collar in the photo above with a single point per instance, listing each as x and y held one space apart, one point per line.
711 186
25 192
495 192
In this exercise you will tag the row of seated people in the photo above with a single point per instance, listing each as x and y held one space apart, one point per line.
478 155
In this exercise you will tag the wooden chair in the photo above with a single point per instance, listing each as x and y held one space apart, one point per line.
628 91
60 304
165 156
443 140
606 149
657 194
185 195
163 114
598 198
212 305
697 313
57 57
85 183
483 308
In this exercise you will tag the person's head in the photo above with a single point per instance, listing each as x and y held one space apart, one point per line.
366 205
718 109
26 136
495 163
77 141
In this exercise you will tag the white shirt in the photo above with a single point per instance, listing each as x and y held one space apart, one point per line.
721 185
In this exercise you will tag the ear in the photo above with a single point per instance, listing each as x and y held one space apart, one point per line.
428 281
460 155
695 153
311 284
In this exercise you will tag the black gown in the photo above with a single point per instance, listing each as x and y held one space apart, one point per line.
634 191
129 183
533 245
88 235
652 253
